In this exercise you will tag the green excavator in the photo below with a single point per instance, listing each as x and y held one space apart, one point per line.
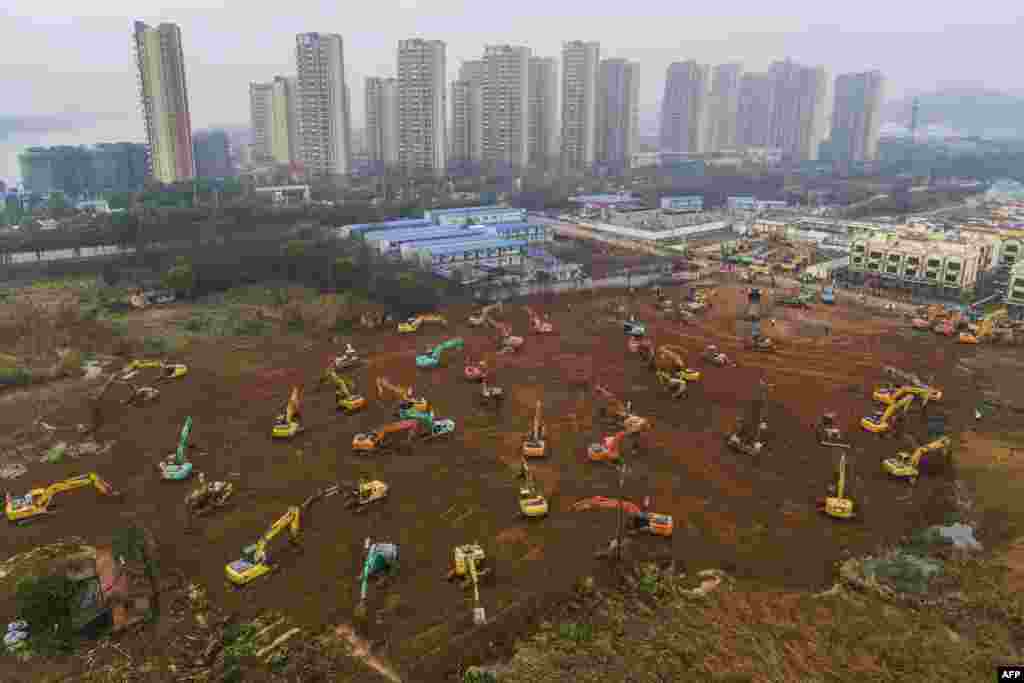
432 427
381 558
176 467
432 358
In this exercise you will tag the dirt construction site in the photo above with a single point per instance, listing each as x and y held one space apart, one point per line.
750 516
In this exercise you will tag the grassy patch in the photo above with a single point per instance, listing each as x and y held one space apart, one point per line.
224 323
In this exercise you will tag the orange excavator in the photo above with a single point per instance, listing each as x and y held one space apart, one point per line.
387 436
404 395
508 342
619 412
538 324
640 520
609 449
535 445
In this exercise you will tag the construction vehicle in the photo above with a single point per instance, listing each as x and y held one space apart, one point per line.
508 342
385 436
490 393
413 324
346 360
838 506
344 391
140 394
532 502
475 372
538 324
535 444
254 561
983 332
634 328
882 422
404 395
381 558
289 423
920 324
889 393
176 467
168 371
670 359
637 345
479 318
208 496
712 355
907 465
674 383
366 492
760 343
609 449
432 428
432 357
640 519
828 432
748 436
470 565
37 501
828 295
619 412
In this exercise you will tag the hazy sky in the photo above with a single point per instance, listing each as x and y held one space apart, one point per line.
80 67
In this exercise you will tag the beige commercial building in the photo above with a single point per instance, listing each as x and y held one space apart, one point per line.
940 267
1015 291
422 106
580 62
163 94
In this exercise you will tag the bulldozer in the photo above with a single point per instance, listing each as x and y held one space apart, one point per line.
838 506
366 492
405 396
384 437
907 465
414 323
538 324
208 496
176 467
535 444
883 421
35 503
381 558
289 423
620 413
828 432
431 358
344 392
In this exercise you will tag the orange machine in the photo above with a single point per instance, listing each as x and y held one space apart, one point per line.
641 521
608 450
404 395
539 325
620 412
386 436
535 445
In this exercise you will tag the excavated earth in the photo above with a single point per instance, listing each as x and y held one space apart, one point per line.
751 517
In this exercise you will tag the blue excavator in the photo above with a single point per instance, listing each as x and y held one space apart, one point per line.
176 467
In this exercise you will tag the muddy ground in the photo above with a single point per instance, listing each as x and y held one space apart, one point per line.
753 518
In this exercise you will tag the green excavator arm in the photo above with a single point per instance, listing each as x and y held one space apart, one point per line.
186 430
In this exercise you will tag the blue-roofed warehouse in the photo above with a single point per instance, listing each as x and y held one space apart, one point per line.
388 240
475 214
493 251
362 228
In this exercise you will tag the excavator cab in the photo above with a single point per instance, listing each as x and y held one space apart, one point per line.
171 371
255 562
289 423
20 509
535 445
829 433
366 492
652 523
463 555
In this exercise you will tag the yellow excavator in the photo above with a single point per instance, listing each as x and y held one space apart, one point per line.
404 395
619 412
168 371
906 465
344 392
532 502
670 358
366 492
413 324
289 423
838 506
674 383
37 501
882 422
254 562
535 445
890 393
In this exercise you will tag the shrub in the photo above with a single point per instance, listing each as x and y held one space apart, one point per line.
578 633
46 603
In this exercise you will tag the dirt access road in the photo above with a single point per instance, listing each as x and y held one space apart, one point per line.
752 518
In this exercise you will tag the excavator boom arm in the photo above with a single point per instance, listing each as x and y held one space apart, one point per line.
289 520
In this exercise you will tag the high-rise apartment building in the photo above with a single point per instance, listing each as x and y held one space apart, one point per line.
422 106
506 107
725 91
580 61
467 131
284 145
164 96
798 109
543 117
261 111
84 171
856 116
754 111
212 152
684 108
382 122
323 130
618 114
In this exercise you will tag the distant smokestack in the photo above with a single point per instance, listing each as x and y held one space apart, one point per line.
915 111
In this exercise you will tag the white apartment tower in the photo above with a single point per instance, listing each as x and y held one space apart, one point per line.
382 121
506 106
856 116
798 109
543 118
684 109
164 97
618 114
422 106
467 112
324 135
754 111
725 92
580 61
